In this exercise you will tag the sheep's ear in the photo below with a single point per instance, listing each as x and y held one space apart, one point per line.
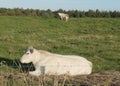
31 50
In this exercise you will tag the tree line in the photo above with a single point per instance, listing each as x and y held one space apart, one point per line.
49 13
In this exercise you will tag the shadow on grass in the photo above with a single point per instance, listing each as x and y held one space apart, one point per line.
16 64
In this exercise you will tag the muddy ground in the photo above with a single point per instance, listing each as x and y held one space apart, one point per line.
108 78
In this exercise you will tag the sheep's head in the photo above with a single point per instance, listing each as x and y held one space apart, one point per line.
28 56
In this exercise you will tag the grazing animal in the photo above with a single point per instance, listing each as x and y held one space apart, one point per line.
63 16
52 64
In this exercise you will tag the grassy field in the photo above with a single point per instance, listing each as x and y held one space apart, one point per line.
97 39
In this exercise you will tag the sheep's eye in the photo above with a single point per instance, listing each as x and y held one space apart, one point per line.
27 53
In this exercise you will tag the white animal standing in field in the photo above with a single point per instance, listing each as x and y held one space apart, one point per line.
63 16
52 64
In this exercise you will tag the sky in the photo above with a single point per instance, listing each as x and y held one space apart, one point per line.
62 4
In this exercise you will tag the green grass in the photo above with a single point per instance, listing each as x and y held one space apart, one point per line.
97 39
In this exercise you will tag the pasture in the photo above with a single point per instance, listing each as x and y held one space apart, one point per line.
97 39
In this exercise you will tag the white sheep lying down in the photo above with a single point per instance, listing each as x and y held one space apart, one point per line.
52 64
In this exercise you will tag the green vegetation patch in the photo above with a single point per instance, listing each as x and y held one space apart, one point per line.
97 39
